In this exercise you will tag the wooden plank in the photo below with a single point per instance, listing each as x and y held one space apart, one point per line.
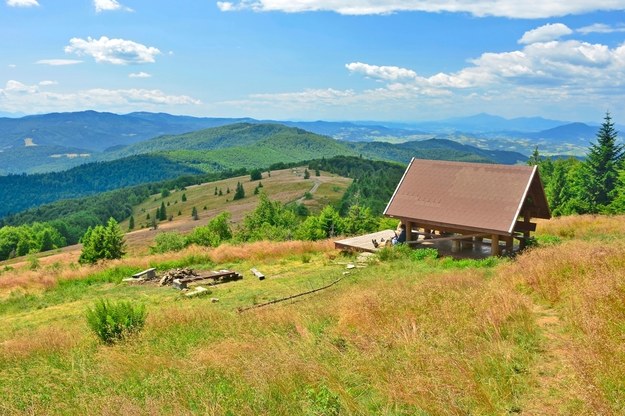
257 273
494 245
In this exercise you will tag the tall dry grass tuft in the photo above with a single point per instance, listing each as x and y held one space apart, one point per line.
40 341
585 283
584 226
267 249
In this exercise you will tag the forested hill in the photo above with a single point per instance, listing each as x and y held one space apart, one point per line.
19 192
231 147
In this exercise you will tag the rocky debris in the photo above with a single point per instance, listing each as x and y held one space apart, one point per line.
169 276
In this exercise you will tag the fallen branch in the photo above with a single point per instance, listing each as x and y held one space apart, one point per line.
260 305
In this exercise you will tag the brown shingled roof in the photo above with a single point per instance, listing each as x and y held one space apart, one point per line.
468 196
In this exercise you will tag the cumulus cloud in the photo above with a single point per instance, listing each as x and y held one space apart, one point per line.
387 73
22 3
480 8
601 28
139 75
48 82
107 5
58 62
19 97
539 75
546 33
113 51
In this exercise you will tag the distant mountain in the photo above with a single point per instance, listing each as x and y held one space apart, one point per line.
354 132
483 123
570 133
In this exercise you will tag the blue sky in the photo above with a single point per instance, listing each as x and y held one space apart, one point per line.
399 60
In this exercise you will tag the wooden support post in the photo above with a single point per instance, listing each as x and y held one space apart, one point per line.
409 226
455 246
509 245
494 245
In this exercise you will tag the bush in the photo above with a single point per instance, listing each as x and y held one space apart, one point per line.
424 253
170 241
113 322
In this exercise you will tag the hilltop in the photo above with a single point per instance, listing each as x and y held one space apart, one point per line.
400 333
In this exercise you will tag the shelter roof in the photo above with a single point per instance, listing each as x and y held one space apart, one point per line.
468 196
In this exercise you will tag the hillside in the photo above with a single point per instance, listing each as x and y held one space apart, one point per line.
232 147
399 334
20 192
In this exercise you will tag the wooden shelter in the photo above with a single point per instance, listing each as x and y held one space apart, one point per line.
468 202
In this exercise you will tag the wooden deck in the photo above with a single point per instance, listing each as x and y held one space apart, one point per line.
364 242
444 246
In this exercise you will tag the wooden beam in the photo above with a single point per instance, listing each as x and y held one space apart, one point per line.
524 226
452 238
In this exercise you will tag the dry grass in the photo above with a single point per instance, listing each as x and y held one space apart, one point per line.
267 250
42 340
584 226
585 282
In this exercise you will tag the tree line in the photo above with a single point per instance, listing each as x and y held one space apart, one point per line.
595 185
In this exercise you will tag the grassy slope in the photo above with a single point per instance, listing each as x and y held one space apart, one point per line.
395 337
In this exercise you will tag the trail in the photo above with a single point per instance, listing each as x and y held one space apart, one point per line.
558 387
312 191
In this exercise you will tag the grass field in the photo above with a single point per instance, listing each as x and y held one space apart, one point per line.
540 334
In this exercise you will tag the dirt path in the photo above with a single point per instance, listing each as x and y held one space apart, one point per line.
312 191
558 389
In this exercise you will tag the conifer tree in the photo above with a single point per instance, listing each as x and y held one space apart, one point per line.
162 212
306 174
239 193
184 198
601 167
194 214
131 223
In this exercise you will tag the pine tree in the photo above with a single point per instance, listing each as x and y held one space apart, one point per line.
131 223
239 193
194 214
317 172
215 190
534 158
184 198
102 243
306 174
601 167
163 212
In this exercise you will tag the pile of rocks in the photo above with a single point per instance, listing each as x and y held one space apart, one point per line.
169 276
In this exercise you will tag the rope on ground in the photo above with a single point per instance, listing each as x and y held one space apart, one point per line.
260 305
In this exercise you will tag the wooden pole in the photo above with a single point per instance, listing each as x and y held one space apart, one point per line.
494 245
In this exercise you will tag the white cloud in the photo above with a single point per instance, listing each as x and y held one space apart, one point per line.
501 8
47 82
22 3
600 28
545 33
107 5
12 66
113 51
58 62
387 73
19 97
139 75
540 76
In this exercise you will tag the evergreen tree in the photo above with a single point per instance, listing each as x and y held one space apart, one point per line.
131 223
220 192
239 193
184 198
317 172
215 190
256 175
194 214
534 158
306 174
162 212
601 167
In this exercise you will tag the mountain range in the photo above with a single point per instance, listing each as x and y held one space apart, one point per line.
58 141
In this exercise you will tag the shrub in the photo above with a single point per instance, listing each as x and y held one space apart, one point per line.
113 322
170 241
